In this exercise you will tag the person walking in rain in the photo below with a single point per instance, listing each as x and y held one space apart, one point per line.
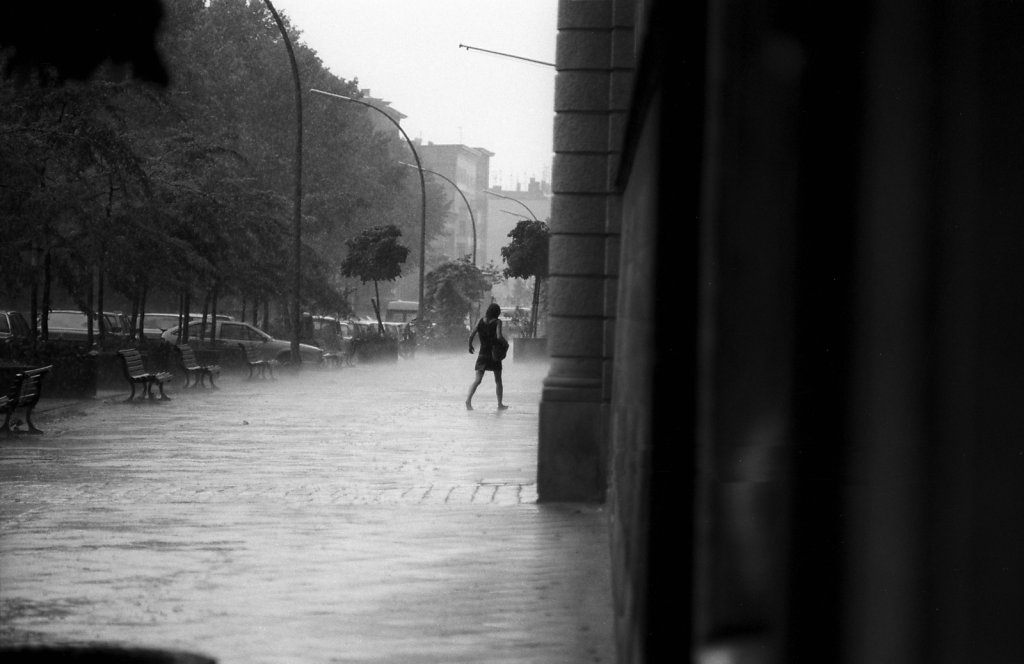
489 329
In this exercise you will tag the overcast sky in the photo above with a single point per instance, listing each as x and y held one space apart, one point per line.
407 52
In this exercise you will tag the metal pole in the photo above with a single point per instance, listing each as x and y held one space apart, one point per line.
297 211
508 55
472 219
514 200
423 189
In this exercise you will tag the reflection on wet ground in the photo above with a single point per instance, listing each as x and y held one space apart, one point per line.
339 515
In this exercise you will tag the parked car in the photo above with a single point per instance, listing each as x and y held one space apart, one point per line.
73 325
160 322
70 325
327 332
15 334
117 325
369 344
232 333
13 325
395 330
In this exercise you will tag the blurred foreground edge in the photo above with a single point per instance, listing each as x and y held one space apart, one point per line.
99 654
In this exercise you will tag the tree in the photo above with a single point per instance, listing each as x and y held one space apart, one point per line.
452 290
527 256
375 255
110 185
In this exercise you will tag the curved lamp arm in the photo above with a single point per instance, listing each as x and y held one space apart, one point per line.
514 200
423 185
472 218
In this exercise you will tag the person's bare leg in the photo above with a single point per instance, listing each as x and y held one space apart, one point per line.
472 389
498 388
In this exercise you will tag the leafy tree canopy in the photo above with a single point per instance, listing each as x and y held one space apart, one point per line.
453 289
527 256
375 255
187 187
527 253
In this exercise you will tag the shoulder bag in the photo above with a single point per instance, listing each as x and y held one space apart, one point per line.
499 349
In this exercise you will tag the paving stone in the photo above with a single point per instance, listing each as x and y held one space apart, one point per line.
337 515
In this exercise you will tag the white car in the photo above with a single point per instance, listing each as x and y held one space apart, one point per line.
160 322
232 333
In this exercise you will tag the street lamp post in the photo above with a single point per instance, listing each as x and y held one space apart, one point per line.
423 188
472 218
297 211
514 200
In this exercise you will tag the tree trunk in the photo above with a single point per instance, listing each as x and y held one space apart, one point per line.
535 307
182 328
44 329
100 263
213 307
34 312
90 300
141 310
137 333
206 308
186 306
100 304
376 306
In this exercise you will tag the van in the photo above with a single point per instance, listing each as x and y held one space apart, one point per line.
401 311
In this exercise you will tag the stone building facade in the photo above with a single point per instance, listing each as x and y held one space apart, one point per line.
785 324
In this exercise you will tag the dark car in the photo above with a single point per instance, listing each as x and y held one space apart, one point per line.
15 334
232 333
333 335
117 325
70 325
329 333
13 325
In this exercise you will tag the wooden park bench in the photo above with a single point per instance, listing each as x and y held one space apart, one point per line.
194 371
24 393
258 366
136 374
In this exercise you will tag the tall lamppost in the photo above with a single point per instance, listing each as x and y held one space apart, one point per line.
423 188
514 200
297 206
472 219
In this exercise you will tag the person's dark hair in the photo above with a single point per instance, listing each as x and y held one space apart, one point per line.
493 310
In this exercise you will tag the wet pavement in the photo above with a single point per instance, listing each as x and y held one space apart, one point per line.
359 514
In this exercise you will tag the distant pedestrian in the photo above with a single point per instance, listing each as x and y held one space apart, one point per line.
489 329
